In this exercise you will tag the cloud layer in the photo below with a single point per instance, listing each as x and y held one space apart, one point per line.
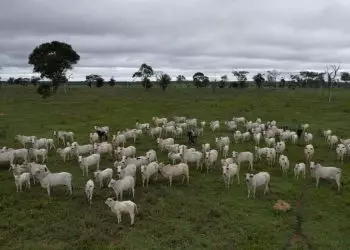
114 37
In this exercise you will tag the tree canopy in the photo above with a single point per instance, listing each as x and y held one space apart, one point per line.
145 72
241 77
97 80
180 78
200 80
52 60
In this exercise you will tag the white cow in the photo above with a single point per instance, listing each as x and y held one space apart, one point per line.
210 158
299 168
229 171
341 151
309 152
284 163
331 173
243 157
254 181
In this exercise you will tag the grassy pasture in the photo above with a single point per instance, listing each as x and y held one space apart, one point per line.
203 215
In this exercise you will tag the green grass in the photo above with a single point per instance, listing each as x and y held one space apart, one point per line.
203 215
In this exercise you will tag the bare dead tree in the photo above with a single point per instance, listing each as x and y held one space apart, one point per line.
331 73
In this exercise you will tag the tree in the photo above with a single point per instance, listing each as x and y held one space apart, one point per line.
241 77
259 80
331 73
52 60
272 76
223 81
295 81
198 79
282 83
164 81
145 72
180 78
206 82
34 80
91 79
99 82
11 80
345 76
111 82
18 81
25 82
309 78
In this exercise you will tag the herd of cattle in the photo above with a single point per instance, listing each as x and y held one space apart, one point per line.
29 164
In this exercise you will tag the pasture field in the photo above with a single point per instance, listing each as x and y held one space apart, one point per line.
203 215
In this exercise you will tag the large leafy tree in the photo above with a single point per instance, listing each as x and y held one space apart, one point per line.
259 80
145 72
164 81
52 60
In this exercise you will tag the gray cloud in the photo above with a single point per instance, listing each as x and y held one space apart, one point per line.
115 37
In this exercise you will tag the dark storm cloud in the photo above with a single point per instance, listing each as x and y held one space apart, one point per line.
114 37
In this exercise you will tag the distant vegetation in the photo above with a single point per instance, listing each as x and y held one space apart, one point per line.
54 59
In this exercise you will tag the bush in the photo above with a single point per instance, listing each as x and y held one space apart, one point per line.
111 82
44 89
99 82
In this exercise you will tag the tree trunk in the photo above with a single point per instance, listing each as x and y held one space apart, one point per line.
55 84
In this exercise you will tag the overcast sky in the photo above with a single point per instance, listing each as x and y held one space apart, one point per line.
114 37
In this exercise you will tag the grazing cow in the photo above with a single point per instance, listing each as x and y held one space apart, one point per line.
192 137
102 135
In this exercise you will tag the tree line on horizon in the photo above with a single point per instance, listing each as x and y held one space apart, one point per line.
53 59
